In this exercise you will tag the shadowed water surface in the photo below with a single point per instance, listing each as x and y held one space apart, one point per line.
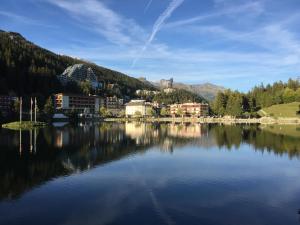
135 173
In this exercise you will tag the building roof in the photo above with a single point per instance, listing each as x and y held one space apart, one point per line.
78 95
137 102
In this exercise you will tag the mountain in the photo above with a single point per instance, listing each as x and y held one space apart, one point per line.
27 69
149 83
206 90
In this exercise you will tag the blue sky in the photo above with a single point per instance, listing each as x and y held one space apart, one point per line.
234 43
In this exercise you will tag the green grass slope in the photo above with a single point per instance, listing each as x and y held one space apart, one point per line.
281 110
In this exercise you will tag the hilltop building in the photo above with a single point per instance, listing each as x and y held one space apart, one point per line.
190 109
79 73
138 106
166 83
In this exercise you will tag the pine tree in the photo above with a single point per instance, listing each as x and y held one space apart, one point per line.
49 108
234 105
219 104
164 112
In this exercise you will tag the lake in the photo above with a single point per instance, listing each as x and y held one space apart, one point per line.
137 173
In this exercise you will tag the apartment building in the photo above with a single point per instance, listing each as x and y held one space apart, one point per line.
135 106
190 109
80 103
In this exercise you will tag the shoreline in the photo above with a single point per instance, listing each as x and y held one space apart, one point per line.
210 120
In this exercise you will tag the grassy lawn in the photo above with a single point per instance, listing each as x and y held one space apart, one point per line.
281 110
25 125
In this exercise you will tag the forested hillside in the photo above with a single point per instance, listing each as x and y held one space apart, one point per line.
235 103
178 96
27 69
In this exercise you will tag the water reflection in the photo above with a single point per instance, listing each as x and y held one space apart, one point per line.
30 158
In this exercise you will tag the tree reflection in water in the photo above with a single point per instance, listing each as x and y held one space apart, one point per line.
54 152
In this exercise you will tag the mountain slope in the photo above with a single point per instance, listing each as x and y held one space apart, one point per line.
27 69
206 90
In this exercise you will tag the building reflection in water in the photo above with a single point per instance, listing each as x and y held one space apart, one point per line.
142 133
164 135
62 138
193 130
60 151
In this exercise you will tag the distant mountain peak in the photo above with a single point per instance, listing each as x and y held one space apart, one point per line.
206 90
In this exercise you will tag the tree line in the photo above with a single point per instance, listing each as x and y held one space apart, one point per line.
177 96
237 104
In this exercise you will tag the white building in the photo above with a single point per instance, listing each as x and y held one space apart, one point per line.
135 107
146 92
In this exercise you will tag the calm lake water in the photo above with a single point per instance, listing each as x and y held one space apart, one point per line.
116 173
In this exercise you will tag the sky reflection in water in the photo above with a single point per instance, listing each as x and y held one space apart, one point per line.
150 174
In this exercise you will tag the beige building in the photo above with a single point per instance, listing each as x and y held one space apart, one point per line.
137 106
190 109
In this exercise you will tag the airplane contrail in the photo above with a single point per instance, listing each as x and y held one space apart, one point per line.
147 6
174 4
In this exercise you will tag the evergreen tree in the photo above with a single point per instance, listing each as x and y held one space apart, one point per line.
49 108
219 104
297 95
164 112
151 112
288 95
86 87
121 113
180 112
234 105
103 112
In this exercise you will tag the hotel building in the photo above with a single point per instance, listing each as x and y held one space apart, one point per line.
135 106
190 109
80 103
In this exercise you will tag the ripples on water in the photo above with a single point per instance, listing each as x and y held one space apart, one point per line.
114 173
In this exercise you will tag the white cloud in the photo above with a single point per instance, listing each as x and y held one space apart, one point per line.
265 50
99 17
25 20
250 7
